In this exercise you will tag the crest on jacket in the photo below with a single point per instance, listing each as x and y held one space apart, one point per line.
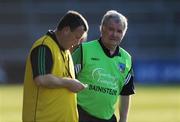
121 67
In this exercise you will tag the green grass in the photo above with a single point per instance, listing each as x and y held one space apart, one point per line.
155 104
149 104
10 103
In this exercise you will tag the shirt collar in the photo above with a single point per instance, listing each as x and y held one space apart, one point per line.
107 51
51 33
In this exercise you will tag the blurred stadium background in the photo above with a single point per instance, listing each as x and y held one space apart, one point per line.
153 40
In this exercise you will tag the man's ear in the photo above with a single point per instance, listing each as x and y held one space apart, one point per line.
102 28
66 30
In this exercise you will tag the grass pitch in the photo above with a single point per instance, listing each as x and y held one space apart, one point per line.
155 104
149 104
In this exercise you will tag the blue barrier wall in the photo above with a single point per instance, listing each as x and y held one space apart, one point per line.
157 71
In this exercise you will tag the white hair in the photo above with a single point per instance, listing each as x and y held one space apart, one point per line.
112 14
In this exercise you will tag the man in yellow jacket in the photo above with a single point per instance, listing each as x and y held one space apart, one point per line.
49 85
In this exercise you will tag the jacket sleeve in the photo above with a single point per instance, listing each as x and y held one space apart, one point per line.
77 59
128 88
41 60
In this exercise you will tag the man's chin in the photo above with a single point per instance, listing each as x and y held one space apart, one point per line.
115 44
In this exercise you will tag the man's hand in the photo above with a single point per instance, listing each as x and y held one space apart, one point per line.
75 85
51 81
